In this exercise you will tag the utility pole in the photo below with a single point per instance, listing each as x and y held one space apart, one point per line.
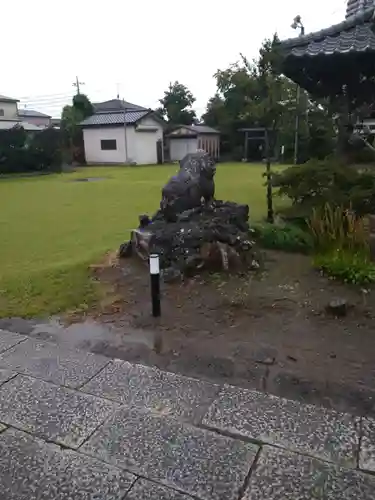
297 24
270 215
125 134
77 83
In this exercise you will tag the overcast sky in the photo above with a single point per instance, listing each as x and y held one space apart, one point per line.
136 47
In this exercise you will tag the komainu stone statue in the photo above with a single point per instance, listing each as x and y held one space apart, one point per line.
192 231
193 183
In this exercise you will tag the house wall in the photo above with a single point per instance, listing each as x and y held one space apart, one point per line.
210 143
141 145
10 110
92 139
178 148
40 121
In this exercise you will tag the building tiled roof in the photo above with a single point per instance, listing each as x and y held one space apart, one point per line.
116 105
9 124
355 6
354 35
115 118
202 129
32 112
7 99
195 129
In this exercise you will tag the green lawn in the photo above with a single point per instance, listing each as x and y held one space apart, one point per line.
52 229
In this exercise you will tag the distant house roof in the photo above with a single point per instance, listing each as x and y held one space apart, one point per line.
193 131
114 118
4 98
202 129
8 124
32 112
116 105
55 122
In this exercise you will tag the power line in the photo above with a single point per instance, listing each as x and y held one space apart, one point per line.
47 101
37 97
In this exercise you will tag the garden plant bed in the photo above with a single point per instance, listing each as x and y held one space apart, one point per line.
269 331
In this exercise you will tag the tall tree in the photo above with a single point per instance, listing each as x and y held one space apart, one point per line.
71 117
82 104
176 105
253 93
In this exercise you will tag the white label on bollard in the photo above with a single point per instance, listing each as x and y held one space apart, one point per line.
154 264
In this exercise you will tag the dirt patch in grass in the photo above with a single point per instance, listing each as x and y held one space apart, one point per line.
269 331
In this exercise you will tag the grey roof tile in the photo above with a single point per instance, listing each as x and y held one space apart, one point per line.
196 129
203 129
9 99
8 124
32 112
354 35
114 118
354 6
116 105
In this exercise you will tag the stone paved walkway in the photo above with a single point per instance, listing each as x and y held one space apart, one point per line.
75 425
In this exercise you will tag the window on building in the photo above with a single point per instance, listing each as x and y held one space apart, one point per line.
1 112
108 144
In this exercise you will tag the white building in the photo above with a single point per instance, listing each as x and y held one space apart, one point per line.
36 117
188 138
9 116
121 132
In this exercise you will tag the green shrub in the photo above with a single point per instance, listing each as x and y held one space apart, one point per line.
354 268
286 237
318 182
20 152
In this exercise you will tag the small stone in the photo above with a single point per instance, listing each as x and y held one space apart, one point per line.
292 358
267 361
171 275
126 250
255 265
266 356
338 307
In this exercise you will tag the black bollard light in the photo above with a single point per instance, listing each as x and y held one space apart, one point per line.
155 284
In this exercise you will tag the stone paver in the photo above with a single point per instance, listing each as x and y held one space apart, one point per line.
367 452
133 434
150 388
281 475
6 375
309 429
55 413
31 469
191 460
53 363
9 339
146 490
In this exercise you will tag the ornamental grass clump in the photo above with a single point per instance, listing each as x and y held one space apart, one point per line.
341 244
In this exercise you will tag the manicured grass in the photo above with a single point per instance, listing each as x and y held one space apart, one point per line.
52 229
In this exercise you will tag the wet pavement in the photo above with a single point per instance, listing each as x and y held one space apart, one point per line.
138 345
88 335
74 424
